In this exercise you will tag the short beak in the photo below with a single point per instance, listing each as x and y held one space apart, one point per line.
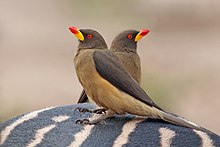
141 34
77 33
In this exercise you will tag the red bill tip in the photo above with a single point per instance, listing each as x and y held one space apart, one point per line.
144 32
74 30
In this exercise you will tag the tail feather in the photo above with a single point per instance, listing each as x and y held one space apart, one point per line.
177 120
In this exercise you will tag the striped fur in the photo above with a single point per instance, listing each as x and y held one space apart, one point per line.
56 127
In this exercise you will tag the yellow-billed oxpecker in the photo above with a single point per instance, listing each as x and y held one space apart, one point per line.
107 82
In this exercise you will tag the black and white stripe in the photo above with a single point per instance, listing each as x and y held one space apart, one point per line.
56 127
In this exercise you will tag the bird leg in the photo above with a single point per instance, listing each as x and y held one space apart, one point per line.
96 111
109 113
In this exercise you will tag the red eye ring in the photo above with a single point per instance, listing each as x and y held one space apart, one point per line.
89 36
130 36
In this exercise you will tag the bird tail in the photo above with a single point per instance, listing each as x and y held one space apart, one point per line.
177 120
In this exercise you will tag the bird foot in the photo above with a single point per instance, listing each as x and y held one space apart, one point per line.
83 109
83 121
96 111
99 111
88 122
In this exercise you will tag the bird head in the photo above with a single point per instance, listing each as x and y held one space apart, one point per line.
88 38
128 39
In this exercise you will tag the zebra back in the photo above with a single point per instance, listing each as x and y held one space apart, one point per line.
56 126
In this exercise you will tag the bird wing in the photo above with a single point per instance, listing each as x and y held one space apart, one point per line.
110 68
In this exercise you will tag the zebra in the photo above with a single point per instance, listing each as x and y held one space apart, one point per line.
55 126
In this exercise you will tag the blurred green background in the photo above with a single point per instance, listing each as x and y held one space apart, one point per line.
180 57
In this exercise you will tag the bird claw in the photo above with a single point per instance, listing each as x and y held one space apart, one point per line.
96 111
83 121
83 109
99 111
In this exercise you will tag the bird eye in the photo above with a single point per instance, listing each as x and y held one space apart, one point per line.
89 36
129 36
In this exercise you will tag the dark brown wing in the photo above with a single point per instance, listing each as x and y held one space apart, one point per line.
111 69
83 97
